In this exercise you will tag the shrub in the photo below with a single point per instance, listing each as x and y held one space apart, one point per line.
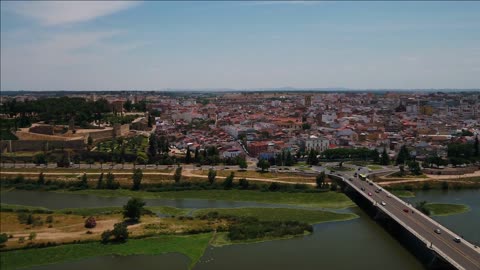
119 233
3 238
49 219
90 222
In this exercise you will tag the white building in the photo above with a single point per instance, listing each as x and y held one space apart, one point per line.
329 117
316 143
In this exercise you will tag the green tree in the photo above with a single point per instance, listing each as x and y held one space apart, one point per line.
212 174
403 155
137 179
128 106
41 179
384 160
90 141
188 156
111 183
402 170
375 156
476 147
243 183
263 165
320 179
32 236
39 158
312 158
228 183
133 209
3 238
84 181
414 167
100 181
177 176
196 155
242 163
119 233
289 161
152 146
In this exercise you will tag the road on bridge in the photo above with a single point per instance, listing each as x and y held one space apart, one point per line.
462 255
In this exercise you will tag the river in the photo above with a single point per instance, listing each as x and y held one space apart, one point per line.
353 244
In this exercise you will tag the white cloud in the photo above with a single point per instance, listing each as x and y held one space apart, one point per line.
51 13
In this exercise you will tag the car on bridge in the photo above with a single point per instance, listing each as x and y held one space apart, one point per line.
437 231
384 203
405 210
457 239
369 194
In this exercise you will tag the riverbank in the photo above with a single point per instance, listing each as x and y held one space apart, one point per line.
192 246
334 200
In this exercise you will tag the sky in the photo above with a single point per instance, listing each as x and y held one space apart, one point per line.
156 45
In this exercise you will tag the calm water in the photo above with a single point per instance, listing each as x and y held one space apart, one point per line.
354 244
466 224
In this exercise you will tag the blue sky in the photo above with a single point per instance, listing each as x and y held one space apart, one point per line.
117 45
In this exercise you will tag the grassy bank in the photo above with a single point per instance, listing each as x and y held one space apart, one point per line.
193 246
444 209
281 214
165 210
321 200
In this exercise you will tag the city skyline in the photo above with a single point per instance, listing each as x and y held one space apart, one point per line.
239 45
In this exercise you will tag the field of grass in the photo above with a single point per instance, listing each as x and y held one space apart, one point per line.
166 210
444 209
193 246
169 210
374 167
321 200
221 239
282 214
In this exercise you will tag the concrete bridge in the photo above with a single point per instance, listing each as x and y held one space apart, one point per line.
450 249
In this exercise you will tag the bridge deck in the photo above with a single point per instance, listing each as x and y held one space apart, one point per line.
461 255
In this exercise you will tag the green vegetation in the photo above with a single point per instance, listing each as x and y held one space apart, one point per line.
55 110
281 214
133 209
374 167
168 210
243 228
193 246
444 209
320 199
123 149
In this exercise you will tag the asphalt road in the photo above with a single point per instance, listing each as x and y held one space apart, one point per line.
464 254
